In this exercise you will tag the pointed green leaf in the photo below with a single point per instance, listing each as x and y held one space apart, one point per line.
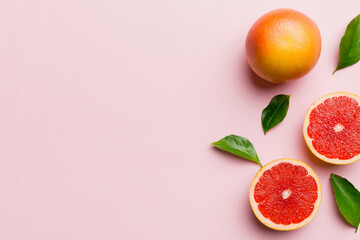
347 198
349 49
239 146
275 112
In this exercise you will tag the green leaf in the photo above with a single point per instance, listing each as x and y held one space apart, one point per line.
275 112
239 146
347 199
349 49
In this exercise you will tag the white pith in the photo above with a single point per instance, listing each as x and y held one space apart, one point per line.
308 140
268 222
286 194
338 127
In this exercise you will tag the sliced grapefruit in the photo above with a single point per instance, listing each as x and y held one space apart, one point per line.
332 128
285 194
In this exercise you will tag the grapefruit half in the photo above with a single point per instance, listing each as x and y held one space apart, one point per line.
285 194
332 128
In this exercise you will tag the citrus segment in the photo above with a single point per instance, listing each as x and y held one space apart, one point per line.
332 128
285 194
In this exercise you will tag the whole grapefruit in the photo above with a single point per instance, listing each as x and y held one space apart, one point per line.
283 45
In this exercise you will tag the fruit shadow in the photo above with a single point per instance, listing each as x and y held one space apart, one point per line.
319 165
254 79
258 81
262 228
313 159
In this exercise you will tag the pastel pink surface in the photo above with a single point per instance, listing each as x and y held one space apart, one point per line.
107 110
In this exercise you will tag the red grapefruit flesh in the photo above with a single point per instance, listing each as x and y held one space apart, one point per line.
332 128
285 194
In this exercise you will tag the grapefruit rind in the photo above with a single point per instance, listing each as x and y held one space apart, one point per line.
308 140
283 45
267 222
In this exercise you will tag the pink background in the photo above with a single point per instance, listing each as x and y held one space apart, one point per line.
108 109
